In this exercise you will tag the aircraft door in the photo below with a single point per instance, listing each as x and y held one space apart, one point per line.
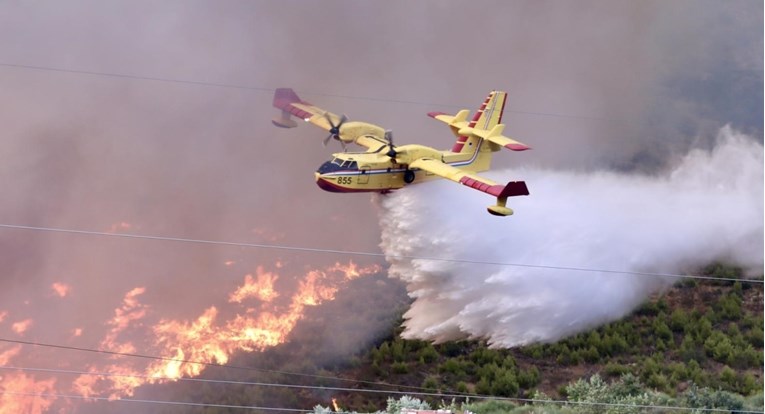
364 176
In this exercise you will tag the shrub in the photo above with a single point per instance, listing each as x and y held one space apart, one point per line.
696 397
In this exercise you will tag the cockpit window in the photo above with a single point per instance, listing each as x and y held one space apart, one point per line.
337 161
351 165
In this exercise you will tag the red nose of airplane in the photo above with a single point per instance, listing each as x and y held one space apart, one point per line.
328 185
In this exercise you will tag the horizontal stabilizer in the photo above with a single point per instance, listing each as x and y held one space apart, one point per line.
495 137
457 121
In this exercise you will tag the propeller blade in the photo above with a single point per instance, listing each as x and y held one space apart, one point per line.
326 140
329 119
389 137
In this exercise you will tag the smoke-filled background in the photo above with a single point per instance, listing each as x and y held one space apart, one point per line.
615 98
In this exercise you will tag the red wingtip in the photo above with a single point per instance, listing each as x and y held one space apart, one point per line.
435 114
284 97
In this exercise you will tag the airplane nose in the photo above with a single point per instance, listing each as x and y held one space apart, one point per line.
326 184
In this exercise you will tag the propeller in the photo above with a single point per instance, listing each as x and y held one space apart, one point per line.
391 148
334 130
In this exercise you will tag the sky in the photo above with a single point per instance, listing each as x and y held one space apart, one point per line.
154 118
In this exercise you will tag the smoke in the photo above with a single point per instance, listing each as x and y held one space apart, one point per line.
708 208
127 154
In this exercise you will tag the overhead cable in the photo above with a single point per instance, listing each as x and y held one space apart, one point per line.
266 89
323 388
146 401
373 254
207 364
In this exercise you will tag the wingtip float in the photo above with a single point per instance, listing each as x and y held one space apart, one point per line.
384 167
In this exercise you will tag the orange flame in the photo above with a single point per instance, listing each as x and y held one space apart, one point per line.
211 338
61 289
14 385
21 326
262 288
6 356
334 404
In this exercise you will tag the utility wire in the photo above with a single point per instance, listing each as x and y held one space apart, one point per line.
265 89
208 364
137 400
370 254
232 382
323 388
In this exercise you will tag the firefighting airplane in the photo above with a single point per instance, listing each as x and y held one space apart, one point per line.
384 167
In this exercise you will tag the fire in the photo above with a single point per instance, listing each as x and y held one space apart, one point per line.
6 356
253 316
130 311
21 326
334 404
19 393
61 289
262 288
3 314
207 340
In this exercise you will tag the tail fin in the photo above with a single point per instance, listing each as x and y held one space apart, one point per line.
487 117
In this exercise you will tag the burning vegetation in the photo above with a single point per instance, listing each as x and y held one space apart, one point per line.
256 315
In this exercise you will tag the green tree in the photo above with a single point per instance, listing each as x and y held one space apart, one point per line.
505 385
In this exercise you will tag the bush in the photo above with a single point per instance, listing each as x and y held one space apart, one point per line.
395 406
505 385
428 354
696 397
400 368
490 407
615 370
430 383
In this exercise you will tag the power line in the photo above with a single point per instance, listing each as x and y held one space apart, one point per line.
207 364
369 254
251 383
137 400
323 388
266 89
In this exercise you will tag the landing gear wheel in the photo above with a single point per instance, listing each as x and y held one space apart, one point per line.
408 176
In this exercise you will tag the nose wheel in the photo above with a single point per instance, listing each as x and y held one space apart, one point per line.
408 176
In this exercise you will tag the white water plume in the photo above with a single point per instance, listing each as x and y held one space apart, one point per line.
709 208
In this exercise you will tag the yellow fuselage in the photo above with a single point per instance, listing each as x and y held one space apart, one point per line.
351 172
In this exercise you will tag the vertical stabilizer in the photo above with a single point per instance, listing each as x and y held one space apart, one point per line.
487 117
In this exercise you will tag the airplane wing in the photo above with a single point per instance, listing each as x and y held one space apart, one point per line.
361 133
511 189
288 101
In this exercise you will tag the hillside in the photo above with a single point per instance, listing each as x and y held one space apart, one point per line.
705 333
697 334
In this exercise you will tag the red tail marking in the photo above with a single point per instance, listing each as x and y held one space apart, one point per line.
285 97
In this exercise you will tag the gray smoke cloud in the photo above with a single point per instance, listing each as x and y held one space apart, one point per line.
708 208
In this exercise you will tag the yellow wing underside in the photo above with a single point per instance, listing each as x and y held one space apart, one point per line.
447 171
